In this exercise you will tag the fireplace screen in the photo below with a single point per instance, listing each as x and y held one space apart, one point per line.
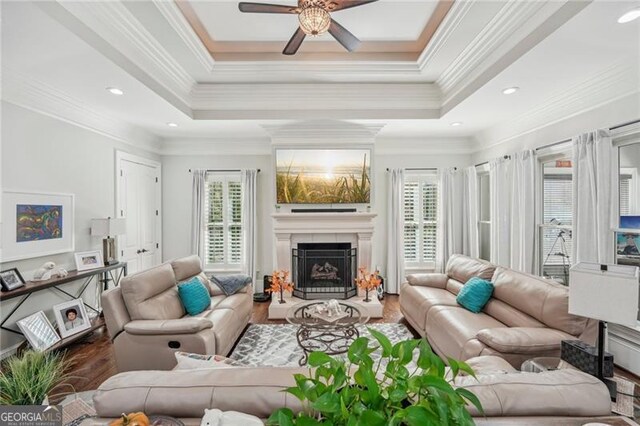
324 271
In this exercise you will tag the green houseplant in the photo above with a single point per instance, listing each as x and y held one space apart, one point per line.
376 395
28 379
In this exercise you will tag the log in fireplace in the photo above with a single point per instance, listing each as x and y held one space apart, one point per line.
324 271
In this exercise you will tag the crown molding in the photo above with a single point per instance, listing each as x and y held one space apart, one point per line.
47 100
181 26
335 131
615 82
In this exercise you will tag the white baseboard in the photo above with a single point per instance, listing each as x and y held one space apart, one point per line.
624 344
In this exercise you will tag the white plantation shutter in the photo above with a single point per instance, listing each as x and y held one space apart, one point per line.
420 219
223 204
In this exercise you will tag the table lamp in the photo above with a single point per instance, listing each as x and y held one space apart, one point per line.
608 293
108 228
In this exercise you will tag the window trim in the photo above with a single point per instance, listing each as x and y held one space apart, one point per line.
417 176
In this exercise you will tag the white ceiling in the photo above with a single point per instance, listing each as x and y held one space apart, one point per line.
575 59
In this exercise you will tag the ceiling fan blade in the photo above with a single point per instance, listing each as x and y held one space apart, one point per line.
265 8
344 37
347 4
295 42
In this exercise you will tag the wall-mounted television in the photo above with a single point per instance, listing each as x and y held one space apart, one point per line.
323 176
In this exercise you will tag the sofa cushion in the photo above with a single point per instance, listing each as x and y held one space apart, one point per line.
483 365
186 267
152 294
454 286
546 301
461 268
194 296
475 294
453 331
429 280
509 315
523 340
416 301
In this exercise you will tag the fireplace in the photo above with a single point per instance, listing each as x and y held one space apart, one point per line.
324 271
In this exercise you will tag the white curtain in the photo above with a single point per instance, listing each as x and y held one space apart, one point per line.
512 205
197 212
395 230
450 216
470 240
594 197
249 221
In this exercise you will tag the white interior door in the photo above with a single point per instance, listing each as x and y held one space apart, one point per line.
138 202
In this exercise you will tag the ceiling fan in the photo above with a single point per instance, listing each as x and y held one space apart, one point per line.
315 19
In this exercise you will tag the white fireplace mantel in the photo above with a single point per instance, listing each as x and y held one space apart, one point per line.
293 228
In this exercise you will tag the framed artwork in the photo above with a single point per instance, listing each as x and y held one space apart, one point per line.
628 248
11 279
630 222
71 317
36 224
39 332
88 260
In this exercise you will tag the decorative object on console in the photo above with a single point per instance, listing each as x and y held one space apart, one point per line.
71 317
38 330
608 293
47 271
11 279
108 228
87 260
280 283
368 281
37 224
585 357
475 294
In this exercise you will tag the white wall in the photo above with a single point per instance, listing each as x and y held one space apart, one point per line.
177 198
40 153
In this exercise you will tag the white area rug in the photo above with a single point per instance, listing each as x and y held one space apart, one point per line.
275 345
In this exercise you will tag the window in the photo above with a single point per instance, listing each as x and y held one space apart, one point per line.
555 232
223 213
484 217
420 220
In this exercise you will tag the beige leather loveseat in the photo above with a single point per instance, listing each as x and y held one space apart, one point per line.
526 317
505 394
147 322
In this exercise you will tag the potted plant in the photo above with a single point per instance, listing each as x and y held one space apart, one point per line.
30 378
386 392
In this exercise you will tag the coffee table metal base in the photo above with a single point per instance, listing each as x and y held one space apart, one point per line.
325 338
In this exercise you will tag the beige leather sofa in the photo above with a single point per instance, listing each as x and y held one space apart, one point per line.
523 397
526 317
147 322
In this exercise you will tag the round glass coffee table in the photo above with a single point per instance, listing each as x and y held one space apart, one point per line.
331 335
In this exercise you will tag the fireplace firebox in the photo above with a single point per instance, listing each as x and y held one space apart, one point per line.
324 271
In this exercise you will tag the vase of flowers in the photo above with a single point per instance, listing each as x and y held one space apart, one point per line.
368 281
280 283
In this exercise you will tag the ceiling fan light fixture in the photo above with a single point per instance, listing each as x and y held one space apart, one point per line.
314 20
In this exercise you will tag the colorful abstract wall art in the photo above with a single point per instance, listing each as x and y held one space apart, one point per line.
38 222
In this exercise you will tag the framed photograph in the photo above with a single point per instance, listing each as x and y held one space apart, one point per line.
628 248
39 332
11 279
71 317
88 260
36 224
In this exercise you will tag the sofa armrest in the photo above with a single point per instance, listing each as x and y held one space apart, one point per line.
428 280
523 340
166 327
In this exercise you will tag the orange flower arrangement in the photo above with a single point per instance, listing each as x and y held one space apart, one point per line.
280 283
367 281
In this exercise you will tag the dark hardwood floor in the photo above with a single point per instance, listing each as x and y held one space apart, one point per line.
95 360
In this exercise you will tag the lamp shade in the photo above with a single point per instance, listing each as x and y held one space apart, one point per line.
604 292
107 227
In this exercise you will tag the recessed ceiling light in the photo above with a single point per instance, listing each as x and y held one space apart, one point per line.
115 91
172 125
629 16
510 90
456 124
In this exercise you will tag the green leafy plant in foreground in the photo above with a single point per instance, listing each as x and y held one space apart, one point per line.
29 378
378 395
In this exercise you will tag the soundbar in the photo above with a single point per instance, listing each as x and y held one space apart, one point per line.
324 210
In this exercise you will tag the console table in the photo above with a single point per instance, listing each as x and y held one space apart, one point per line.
101 276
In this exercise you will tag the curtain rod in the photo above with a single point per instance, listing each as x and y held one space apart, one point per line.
222 171
506 157
421 168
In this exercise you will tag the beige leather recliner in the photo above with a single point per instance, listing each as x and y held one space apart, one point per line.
526 317
147 322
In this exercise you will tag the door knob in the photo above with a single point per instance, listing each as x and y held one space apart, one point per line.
139 251
144 250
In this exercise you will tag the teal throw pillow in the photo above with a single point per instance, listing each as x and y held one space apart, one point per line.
475 294
194 296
